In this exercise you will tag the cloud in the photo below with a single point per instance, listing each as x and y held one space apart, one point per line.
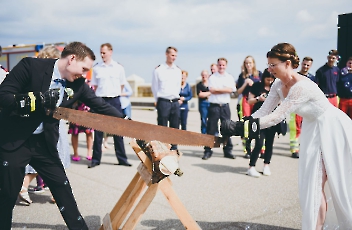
265 32
202 30
323 28
304 16
135 21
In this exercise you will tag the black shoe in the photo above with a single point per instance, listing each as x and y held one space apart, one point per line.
206 156
93 164
295 155
230 156
247 156
125 164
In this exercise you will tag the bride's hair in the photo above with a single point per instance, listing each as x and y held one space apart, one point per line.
284 52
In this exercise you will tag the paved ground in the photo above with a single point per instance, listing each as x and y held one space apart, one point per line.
216 192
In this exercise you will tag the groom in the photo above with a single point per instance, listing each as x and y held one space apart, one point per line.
26 96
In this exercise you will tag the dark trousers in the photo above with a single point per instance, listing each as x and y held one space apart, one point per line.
203 110
269 135
183 118
12 170
168 115
118 141
216 112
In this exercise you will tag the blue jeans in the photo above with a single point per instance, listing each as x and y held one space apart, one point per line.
203 110
127 111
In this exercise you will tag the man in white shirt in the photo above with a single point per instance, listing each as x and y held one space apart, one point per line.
166 84
221 85
108 80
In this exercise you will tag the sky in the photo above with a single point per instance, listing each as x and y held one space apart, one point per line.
201 30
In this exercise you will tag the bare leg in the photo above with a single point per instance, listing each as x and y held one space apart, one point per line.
89 138
28 178
23 194
323 206
74 141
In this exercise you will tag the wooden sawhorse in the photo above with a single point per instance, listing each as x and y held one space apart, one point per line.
134 190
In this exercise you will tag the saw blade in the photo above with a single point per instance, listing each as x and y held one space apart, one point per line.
136 129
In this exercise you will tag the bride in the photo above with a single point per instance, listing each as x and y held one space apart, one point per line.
325 163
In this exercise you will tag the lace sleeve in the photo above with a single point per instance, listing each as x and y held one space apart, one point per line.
295 98
271 101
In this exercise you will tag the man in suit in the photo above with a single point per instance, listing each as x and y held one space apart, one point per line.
27 96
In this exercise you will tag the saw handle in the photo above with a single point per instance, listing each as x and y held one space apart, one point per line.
248 127
30 102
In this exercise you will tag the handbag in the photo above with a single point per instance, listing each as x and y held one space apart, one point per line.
281 128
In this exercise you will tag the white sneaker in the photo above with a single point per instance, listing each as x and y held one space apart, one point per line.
252 172
266 170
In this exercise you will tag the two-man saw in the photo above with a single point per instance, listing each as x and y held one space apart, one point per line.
136 129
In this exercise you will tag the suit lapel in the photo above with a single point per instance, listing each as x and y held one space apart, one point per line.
47 76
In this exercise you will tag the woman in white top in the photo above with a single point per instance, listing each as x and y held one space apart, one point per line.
325 163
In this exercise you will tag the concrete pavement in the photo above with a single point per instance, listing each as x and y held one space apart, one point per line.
216 192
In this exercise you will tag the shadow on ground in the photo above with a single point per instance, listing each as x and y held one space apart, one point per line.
174 224
93 222
37 226
200 154
222 168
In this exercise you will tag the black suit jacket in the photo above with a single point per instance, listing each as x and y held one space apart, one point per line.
34 75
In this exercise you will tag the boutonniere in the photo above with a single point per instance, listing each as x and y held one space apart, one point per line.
69 92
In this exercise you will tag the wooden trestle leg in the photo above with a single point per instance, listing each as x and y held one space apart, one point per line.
134 190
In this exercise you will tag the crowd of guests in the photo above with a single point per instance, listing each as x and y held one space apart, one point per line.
253 86
292 92
213 91
172 92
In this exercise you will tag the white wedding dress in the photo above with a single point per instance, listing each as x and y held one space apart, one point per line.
326 137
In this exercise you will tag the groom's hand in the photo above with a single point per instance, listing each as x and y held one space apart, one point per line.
28 103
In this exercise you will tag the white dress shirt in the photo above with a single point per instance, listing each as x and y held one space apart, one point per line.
53 85
221 81
166 82
108 78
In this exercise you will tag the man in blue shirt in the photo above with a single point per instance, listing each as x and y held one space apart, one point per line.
327 77
344 88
